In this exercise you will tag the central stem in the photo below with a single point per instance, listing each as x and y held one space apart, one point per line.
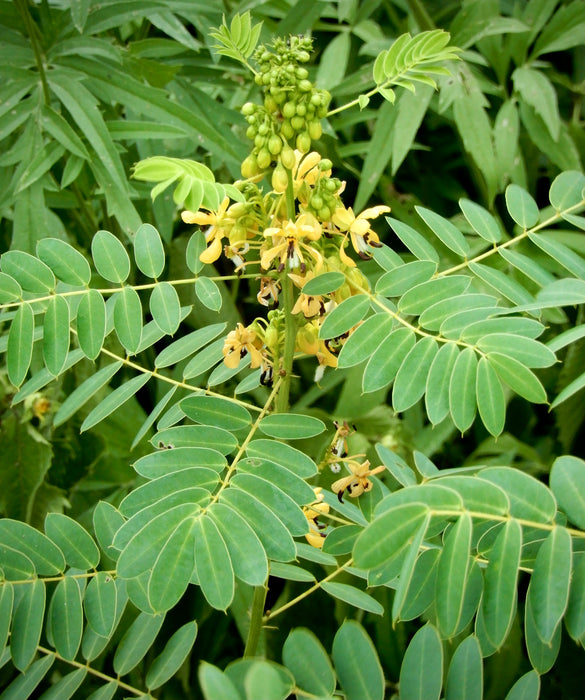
290 326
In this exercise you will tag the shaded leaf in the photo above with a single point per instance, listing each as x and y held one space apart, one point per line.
357 664
421 673
172 657
114 400
136 642
85 391
316 677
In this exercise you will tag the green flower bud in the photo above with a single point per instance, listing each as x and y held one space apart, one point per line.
287 157
324 213
315 129
279 178
305 86
259 140
270 103
286 129
289 109
297 123
316 202
275 145
264 158
301 109
251 132
302 73
303 142
248 109
250 166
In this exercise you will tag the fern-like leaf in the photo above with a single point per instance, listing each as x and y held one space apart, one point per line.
196 185
239 40
412 60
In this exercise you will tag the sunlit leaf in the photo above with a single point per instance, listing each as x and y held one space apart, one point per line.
491 401
291 426
498 604
548 592
452 576
148 251
213 564
110 257
27 624
176 556
128 319
68 264
91 323
66 618
31 273
20 344
411 379
45 555
165 307
345 316
213 410
73 540
99 603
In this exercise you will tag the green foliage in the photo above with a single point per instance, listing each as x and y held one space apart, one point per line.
210 549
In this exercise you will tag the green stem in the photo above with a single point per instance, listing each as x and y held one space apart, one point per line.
290 326
32 31
256 621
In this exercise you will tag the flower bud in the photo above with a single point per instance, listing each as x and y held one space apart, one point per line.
315 129
248 109
264 158
287 157
275 144
250 166
303 142
279 178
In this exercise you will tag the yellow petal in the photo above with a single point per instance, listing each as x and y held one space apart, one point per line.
232 359
373 212
344 257
343 218
212 252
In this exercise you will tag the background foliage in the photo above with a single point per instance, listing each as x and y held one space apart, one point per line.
474 558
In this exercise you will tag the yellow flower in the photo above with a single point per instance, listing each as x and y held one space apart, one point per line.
359 230
288 243
268 294
312 512
309 304
219 225
358 482
238 343
308 341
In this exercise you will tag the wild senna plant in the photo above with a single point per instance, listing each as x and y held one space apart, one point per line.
227 505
